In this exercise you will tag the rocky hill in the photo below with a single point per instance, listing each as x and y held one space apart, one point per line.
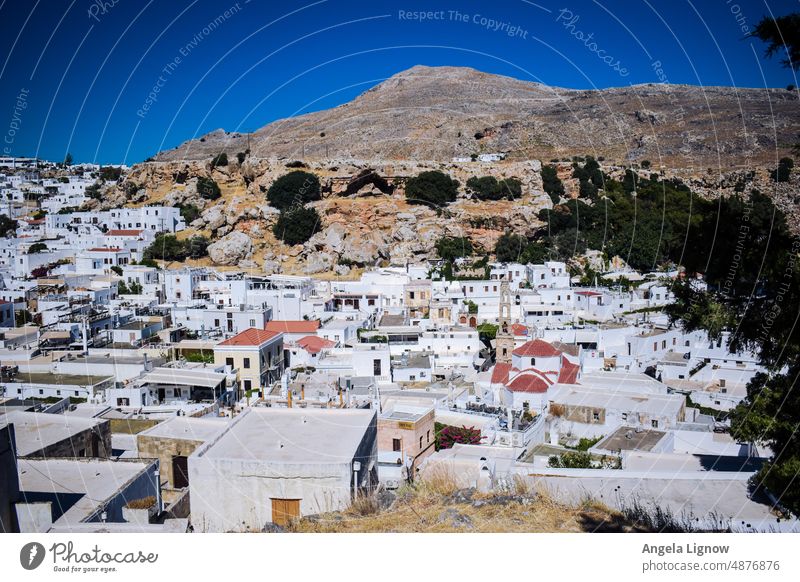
437 113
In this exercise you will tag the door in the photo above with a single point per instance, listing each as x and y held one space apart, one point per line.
285 511
180 472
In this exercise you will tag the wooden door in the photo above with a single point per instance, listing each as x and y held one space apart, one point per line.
285 510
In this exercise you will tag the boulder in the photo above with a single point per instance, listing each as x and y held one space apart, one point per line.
319 262
231 249
214 217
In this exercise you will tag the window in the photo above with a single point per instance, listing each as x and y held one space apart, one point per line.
654 423
247 363
420 442
229 362
429 436
252 323
395 444
596 416
533 361
376 367
248 385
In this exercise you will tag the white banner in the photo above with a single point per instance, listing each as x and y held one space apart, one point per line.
401 557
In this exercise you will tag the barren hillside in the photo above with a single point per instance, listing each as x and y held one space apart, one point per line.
437 113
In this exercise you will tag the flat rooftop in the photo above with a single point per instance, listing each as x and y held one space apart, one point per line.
58 379
187 428
184 377
37 430
629 439
299 436
77 488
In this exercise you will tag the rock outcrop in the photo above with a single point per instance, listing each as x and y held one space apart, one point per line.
231 249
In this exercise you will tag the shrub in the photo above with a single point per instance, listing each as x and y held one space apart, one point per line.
166 247
219 160
37 247
516 248
7 226
451 248
240 157
489 188
143 503
447 436
294 189
208 188
552 184
93 191
189 212
783 171
433 188
110 173
296 225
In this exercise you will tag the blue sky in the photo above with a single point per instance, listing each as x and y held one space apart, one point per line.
76 74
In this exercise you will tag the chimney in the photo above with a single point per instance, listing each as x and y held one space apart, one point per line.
302 391
289 399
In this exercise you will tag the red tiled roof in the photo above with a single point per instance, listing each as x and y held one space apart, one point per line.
536 348
519 329
569 372
105 250
529 381
123 233
500 373
588 293
290 326
250 337
314 344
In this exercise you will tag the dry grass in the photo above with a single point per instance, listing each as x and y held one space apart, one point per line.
437 505
143 503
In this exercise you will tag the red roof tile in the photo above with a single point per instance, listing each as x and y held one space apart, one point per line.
314 344
529 381
536 348
588 293
250 337
292 326
500 373
519 329
569 372
105 250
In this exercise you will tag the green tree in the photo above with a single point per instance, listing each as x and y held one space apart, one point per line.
433 188
782 36
512 247
450 248
189 212
219 160
489 188
552 184
296 225
37 247
165 247
783 171
208 188
68 160
294 189
8 227
754 292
